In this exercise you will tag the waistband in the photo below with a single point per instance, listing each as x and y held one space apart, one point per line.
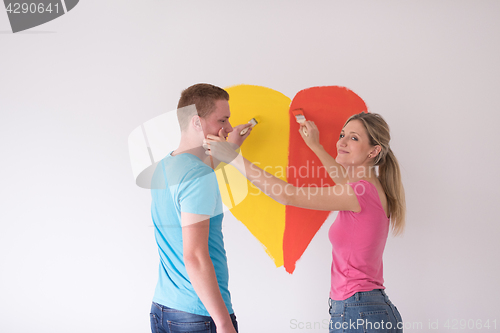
164 308
362 296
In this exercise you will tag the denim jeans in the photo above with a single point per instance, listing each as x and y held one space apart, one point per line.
366 312
168 320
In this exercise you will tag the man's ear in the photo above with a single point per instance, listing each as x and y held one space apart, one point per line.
196 123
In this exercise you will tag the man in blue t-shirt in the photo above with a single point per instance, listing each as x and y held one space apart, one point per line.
192 290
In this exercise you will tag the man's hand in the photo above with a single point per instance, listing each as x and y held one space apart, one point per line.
235 137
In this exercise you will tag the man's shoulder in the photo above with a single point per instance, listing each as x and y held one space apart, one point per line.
186 168
188 164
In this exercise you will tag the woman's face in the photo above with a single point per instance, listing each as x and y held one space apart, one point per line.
354 146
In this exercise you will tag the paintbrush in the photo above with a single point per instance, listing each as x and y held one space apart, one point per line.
300 118
245 130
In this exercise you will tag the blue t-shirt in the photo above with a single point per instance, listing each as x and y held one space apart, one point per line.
183 183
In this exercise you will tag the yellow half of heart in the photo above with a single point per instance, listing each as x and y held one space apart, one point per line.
266 147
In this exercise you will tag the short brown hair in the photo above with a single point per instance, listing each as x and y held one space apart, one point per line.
203 95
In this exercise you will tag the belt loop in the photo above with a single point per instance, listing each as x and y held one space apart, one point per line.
356 296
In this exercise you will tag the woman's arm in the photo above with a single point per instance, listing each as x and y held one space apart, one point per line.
336 171
234 138
338 197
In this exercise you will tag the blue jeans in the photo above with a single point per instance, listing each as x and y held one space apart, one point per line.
366 312
168 320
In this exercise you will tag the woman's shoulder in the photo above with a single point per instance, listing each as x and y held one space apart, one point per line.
363 186
369 190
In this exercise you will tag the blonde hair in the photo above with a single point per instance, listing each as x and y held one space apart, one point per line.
388 167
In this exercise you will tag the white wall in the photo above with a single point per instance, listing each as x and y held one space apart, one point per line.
77 251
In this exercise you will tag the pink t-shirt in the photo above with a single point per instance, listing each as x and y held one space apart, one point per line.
358 241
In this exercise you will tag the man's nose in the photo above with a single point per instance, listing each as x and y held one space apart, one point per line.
228 128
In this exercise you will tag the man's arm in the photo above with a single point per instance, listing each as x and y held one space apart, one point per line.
199 266
235 138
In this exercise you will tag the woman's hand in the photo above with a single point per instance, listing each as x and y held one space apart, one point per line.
312 138
219 148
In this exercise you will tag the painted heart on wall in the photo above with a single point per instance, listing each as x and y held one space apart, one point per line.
276 146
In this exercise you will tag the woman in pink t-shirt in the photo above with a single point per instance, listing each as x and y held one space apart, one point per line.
368 205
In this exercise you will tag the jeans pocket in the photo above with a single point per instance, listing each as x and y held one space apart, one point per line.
376 321
154 323
195 327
